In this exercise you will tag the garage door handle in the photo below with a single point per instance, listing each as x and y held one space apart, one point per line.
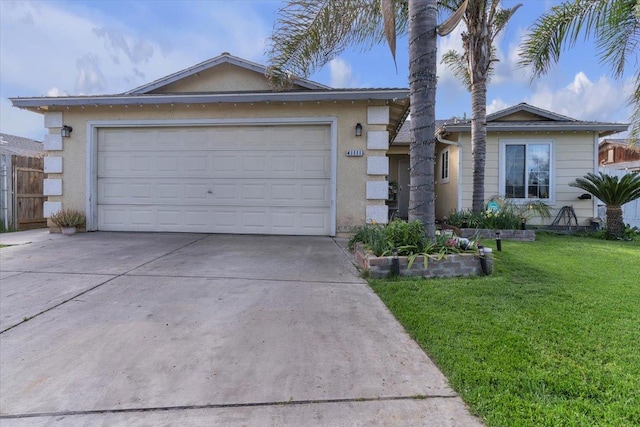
209 192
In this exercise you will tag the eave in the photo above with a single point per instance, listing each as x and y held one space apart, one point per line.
603 129
212 98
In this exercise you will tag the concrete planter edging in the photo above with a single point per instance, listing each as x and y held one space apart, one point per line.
485 233
452 265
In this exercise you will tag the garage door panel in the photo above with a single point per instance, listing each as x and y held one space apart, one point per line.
183 165
228 179
214 219
212 192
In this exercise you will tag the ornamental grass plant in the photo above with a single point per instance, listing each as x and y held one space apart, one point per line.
66 218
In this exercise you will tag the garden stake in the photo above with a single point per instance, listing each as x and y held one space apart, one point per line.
498 242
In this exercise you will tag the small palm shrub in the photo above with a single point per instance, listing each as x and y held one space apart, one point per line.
613 192
65 218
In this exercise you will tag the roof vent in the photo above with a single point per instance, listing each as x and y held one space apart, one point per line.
225 53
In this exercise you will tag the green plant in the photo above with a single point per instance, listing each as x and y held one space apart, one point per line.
408 239
3 229
526 211
631 233
509 215
614 193
68 218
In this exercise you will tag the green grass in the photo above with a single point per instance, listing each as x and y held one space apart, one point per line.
552 338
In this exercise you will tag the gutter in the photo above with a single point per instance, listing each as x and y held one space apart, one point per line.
316 95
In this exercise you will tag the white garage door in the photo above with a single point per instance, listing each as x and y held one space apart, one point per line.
223 179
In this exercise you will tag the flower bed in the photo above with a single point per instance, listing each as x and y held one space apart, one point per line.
450 265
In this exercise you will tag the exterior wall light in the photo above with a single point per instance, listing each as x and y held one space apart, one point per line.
66 131
358 129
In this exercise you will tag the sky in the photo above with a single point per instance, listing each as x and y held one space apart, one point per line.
57 48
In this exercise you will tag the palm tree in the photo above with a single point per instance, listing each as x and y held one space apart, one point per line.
484 20
615 25
309 33
614 193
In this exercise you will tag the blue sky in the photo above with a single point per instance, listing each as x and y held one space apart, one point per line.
102 47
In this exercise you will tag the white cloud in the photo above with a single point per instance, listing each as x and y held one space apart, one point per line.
496 105
584 99
451 42
54 91
341 74
49 48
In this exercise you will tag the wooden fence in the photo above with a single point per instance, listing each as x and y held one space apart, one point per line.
630 211
28 186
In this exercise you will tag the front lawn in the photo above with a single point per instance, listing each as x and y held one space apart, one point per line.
551 338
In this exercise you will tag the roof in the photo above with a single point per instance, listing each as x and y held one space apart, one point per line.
523 106
20 146
404 134
629 144
548 121
213 97
224 58
304 91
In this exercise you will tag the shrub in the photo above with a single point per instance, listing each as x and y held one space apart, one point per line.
509 215
407 238
68 218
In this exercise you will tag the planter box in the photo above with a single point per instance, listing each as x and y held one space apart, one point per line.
487 234
453 265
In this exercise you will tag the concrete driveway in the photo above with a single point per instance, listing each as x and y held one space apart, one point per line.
197 329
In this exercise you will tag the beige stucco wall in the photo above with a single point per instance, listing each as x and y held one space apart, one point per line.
222 78
351 171
574 157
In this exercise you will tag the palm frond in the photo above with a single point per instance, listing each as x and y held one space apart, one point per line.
309 33
389 23
619 39
501 17
457 63
609 189
559 29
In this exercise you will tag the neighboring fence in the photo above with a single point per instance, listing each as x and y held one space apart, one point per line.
22 200
630 211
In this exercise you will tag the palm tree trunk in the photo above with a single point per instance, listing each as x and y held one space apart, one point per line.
478 140
422 84
615 222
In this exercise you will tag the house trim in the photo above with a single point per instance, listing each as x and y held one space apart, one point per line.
92 151
389 95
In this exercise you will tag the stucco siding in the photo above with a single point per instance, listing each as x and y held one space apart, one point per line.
223 78
351 171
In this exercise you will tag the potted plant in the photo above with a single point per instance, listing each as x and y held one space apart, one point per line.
68 220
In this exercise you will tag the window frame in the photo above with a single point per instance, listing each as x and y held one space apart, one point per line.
445 171
502 164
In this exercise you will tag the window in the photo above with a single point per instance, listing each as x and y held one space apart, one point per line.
444 166
526 169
